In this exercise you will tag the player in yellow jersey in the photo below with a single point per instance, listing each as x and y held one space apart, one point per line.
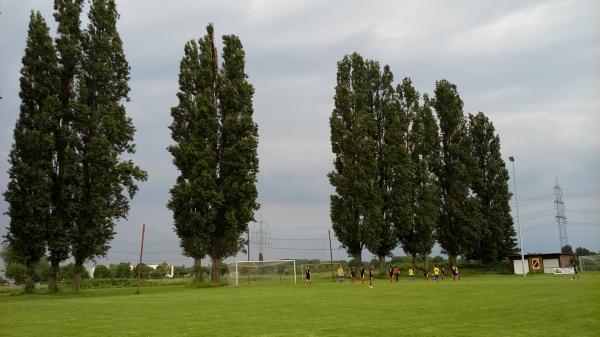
436 274
340 274
411 273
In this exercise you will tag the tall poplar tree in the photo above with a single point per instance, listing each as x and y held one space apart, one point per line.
104 134
424 151
489 181
214 198
238 157
352 147
30 174
457 229
195 198
392 179
65 166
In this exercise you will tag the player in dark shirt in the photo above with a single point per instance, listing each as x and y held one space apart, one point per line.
370 277
352 274
443 271
575 272
397 274
362 274
308 277
391 272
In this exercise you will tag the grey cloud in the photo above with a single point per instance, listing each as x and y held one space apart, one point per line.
532 67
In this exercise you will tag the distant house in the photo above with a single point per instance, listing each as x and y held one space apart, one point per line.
551 263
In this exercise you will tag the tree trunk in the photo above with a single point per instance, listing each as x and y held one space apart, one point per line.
197 269
452 260
215 273
414 260
382 264
78 275
357 259
29 287
53 277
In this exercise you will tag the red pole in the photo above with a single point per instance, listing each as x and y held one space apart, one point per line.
140 264
330 254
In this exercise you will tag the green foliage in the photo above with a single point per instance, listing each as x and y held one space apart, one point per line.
354 162
65 164
122 270
580 251
66 273
458 227
567 249
30 174
16 271
438 260
102 271
216 138
181 271
424 146
489 183
104 134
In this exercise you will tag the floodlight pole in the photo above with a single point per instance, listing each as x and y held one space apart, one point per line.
140 264
512 160
248 259
330 254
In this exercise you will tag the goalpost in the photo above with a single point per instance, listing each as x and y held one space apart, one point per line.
590 262
268 270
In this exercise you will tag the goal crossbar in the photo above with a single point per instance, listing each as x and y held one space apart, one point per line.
237 263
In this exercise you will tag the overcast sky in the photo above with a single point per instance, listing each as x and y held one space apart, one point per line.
533 67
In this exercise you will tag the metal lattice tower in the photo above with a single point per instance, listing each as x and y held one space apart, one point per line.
561 219
261 236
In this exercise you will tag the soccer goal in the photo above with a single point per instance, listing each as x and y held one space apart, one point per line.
262 272
591 262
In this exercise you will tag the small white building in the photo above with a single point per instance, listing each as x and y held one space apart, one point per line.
542 263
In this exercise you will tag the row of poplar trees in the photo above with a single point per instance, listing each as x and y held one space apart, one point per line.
68 182
215 151
404 177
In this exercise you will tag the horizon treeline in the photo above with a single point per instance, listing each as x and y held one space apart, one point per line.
411 170
68 182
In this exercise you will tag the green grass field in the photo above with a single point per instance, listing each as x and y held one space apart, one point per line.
490 305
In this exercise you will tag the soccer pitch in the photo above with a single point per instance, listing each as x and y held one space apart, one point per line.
492 305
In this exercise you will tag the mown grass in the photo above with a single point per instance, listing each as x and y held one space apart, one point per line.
489 305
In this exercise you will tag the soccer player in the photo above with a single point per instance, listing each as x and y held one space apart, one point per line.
370 276
397 274
575 272
340 273
362 275
426 275
352 274
308 277
443 272
391 272
454 271
411 273
436 273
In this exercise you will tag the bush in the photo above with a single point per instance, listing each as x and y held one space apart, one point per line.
438 260
16 271
66 272
122 270
102 271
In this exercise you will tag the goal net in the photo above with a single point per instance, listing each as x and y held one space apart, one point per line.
262 272
591 262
